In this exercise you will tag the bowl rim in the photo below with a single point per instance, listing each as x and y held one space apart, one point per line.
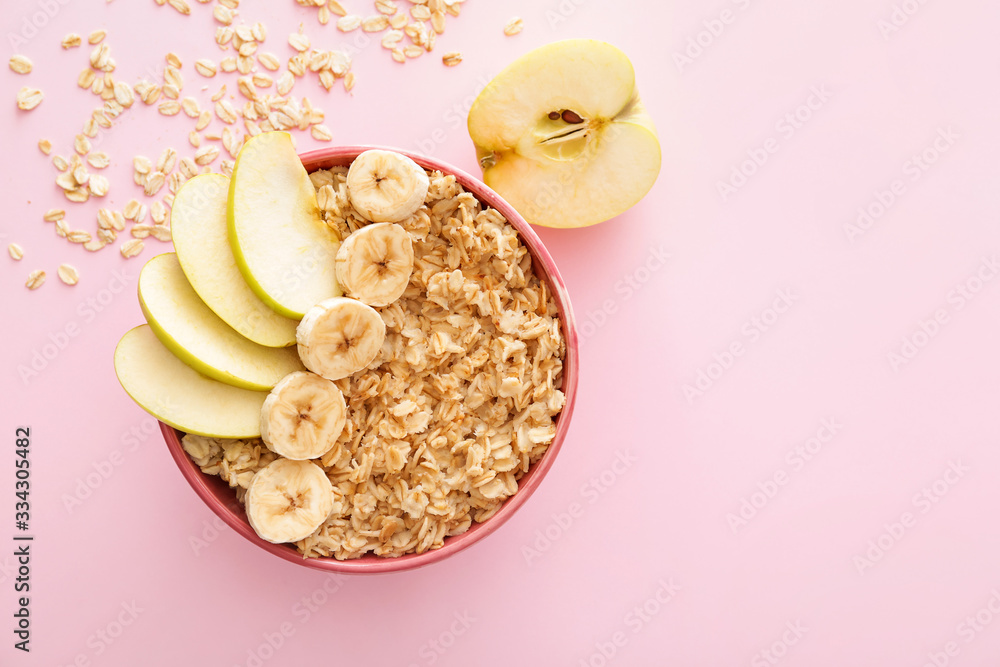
208 488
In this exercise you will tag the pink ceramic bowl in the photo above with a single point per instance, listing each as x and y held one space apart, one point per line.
222 500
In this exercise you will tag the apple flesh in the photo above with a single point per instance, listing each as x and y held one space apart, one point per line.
201 239
199 338
283 248
562 136
177 395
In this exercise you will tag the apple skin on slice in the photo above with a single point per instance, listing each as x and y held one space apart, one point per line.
562 135
201 239
177 395
283 248
199 338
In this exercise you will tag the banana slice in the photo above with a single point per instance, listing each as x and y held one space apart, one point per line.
374 263
339 336
288 500
303 416
385 186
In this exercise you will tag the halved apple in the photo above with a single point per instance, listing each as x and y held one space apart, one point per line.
562 136
201 239
199 338
283 248
176 394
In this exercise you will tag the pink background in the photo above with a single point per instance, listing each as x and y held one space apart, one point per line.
789 578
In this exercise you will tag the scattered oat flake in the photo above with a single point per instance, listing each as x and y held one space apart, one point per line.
349 23
78 236
131 209
190 106
35 279
298 41
167 160
161 233
513 26
21 64
78 195
269 61
98 185
68 274
123 94
173 77
154 183
71 40
86 78
452 58
45 146
16 251
29 98
97 36
54 214
398 20
225 111
169 108
132 247
321 133
180 5
336 8
98 159
223 14
205 67
81 144
375 23
206 155
285 83
437 22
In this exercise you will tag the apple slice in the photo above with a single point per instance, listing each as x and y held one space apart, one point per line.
201 240
282 246
174 393
199 338
562 136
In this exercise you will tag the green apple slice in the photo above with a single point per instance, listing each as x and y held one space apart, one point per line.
201 239
562 136
199 338
177 395
282 246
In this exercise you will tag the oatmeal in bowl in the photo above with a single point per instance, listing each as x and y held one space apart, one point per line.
459 415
